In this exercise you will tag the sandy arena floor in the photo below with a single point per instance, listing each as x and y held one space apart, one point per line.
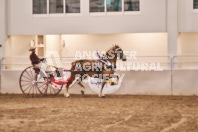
92 114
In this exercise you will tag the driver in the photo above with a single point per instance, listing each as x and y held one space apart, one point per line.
37 63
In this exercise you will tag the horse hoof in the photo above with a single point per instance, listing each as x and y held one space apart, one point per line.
67 96
102 97
82 92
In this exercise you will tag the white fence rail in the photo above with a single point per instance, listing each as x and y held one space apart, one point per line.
177 65
20 63
185 62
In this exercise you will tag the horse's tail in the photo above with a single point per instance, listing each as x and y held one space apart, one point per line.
71 78
73 65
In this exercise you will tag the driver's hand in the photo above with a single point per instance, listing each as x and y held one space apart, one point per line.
42 59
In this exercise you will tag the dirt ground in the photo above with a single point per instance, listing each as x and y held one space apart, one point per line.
92 114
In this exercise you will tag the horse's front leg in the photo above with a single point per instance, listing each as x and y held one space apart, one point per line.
101 95
83 88
81 85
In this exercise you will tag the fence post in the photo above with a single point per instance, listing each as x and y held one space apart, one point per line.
172 75
172 69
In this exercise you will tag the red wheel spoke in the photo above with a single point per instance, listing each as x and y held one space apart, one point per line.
25 81
28 74
31 73
41 85
50 89
33 91
45 89
36 90
41 82
27 88
27 77
26 84
54 90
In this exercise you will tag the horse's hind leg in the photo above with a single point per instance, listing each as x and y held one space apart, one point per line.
66 93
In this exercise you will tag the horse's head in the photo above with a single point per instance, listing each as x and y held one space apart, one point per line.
115 52
120 52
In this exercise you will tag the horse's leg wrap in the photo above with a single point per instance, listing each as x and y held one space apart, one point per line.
101 95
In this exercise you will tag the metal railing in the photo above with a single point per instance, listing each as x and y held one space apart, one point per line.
20 63
185 62
171 63
165 61
181 62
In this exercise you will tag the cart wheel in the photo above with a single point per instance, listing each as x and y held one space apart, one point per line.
55 83
32 84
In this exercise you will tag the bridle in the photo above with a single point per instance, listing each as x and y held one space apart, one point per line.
117 49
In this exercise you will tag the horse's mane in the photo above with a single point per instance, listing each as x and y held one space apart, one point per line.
112 48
